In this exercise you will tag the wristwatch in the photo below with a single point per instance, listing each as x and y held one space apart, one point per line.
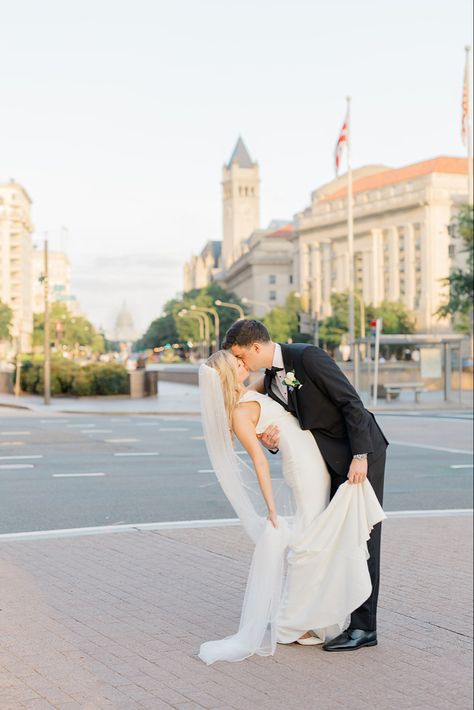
360 457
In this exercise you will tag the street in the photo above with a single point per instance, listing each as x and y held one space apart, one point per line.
83 470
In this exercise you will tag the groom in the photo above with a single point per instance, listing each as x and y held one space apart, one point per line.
350 440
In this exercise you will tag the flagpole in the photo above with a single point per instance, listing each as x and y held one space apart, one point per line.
350 232
469 126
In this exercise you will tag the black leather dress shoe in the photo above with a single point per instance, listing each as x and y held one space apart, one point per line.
351 640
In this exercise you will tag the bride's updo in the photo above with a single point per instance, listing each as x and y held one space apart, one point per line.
225 363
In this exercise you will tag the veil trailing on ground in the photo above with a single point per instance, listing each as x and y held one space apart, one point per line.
257 628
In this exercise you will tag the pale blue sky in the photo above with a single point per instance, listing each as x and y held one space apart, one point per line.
117 116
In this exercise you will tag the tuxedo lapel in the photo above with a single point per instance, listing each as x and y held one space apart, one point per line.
271 393
288 363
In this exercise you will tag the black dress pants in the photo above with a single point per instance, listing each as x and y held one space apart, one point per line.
365 617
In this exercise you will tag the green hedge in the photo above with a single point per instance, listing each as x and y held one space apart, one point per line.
67 377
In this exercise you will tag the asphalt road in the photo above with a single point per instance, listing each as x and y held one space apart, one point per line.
81 471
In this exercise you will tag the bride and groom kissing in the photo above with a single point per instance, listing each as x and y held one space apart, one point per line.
314 576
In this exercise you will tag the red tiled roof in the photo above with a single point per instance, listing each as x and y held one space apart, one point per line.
457 166
282 232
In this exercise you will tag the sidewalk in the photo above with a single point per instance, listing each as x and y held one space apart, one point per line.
115 621
183 399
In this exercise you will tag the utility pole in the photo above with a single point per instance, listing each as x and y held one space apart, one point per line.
47 344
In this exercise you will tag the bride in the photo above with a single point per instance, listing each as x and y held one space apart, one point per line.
309 567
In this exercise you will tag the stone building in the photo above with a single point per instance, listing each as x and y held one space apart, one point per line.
200 270
402 245
16 264
241 203
263 274
59 273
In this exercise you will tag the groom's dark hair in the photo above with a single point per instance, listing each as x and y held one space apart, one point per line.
245 332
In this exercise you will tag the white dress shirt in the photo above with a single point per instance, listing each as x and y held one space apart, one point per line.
278 387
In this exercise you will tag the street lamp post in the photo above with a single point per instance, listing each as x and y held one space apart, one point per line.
256 303
203 327
47 345
213 311
223 304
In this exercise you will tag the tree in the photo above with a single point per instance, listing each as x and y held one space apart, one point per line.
73 329
6 315
170 328
396 319
459 304
282 321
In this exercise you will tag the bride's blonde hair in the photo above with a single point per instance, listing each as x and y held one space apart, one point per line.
225 364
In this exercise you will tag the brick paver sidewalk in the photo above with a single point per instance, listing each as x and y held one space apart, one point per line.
115 621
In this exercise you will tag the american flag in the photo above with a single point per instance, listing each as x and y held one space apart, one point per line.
341 142
465 103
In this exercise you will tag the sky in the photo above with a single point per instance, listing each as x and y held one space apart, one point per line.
117 118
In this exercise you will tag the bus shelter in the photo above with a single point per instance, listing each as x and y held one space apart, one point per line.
438 357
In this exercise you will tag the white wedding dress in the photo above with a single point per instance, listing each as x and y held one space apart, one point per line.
311 572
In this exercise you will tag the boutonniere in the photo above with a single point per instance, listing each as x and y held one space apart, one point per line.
291 382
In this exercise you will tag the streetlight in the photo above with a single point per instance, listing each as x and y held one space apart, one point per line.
255 303
203 325
216 320
223 304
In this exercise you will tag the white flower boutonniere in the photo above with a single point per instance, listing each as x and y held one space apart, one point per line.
291 382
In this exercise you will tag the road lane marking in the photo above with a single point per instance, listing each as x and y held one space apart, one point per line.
175 428
138 453
25 456
116 441
462 465
119 419
206 470
54 421
11 443
75 475
15 433
432 448
97 431
197 438
147 424
78 426
206 485
16 465
218 522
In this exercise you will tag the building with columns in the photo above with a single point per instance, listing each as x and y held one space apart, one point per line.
402 245
16 288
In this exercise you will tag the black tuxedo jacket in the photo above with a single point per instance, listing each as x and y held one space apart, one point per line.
328 405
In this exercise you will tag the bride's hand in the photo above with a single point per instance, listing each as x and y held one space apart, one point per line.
273 518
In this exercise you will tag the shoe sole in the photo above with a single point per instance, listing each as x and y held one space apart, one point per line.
354 648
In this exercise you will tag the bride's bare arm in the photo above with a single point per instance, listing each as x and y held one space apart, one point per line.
243 425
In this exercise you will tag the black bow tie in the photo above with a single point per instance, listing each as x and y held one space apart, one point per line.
272 370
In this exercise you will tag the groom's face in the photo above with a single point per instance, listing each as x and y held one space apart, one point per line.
252 356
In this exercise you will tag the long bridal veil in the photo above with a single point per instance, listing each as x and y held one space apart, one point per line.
257 628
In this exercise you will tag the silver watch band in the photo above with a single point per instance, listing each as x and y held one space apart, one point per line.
360 457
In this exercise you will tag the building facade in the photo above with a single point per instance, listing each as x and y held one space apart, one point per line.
240 202
264 272
16 288
402 245
202 269
59 276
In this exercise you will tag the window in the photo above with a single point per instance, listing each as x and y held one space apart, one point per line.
452 251
272 296
272 279
290 278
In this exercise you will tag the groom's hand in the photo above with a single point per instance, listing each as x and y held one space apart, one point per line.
357 471
270 437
